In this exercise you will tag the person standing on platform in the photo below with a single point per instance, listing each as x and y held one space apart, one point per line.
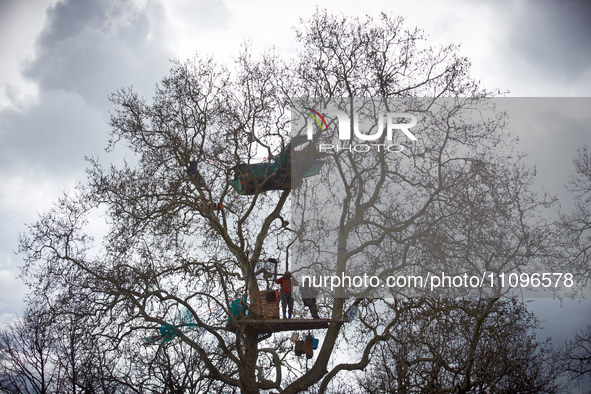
287 283
309 295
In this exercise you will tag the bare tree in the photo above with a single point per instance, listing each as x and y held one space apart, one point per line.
575 357
427 353
29 362
84 358
49 352
182 244
153 267
456 201
576 225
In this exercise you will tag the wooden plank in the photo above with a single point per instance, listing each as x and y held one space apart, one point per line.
262 326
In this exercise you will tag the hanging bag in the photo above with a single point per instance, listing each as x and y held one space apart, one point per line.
308 346
299 348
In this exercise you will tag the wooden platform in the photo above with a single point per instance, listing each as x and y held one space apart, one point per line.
263 326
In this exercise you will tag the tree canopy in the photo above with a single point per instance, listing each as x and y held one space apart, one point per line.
182 244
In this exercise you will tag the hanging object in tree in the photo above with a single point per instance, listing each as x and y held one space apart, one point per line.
215 207
170 331
237 309
306 346
269 270
353 313
299 348
315 341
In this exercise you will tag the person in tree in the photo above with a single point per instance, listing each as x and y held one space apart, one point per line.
287 282
309 294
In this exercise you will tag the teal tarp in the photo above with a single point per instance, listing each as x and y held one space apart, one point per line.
276 175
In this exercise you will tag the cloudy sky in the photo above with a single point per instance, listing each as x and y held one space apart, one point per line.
59 60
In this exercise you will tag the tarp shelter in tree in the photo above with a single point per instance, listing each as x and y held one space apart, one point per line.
169 331
278 174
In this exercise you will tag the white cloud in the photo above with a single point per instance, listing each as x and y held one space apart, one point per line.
20 23
12 292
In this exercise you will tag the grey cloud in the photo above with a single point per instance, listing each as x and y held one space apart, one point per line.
550 131
7 8
552 36
95 47
51 138
86 50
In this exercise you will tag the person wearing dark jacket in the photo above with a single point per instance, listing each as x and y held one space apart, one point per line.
287 282
309 295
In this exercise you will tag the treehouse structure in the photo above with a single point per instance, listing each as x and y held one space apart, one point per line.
280 174
261 314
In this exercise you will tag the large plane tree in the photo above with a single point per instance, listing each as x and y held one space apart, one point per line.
182 243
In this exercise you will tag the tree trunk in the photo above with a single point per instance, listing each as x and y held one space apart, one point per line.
248 382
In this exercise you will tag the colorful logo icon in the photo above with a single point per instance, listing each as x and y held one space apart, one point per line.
317 117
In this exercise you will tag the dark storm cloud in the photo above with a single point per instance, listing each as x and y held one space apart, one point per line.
550 131
552 36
